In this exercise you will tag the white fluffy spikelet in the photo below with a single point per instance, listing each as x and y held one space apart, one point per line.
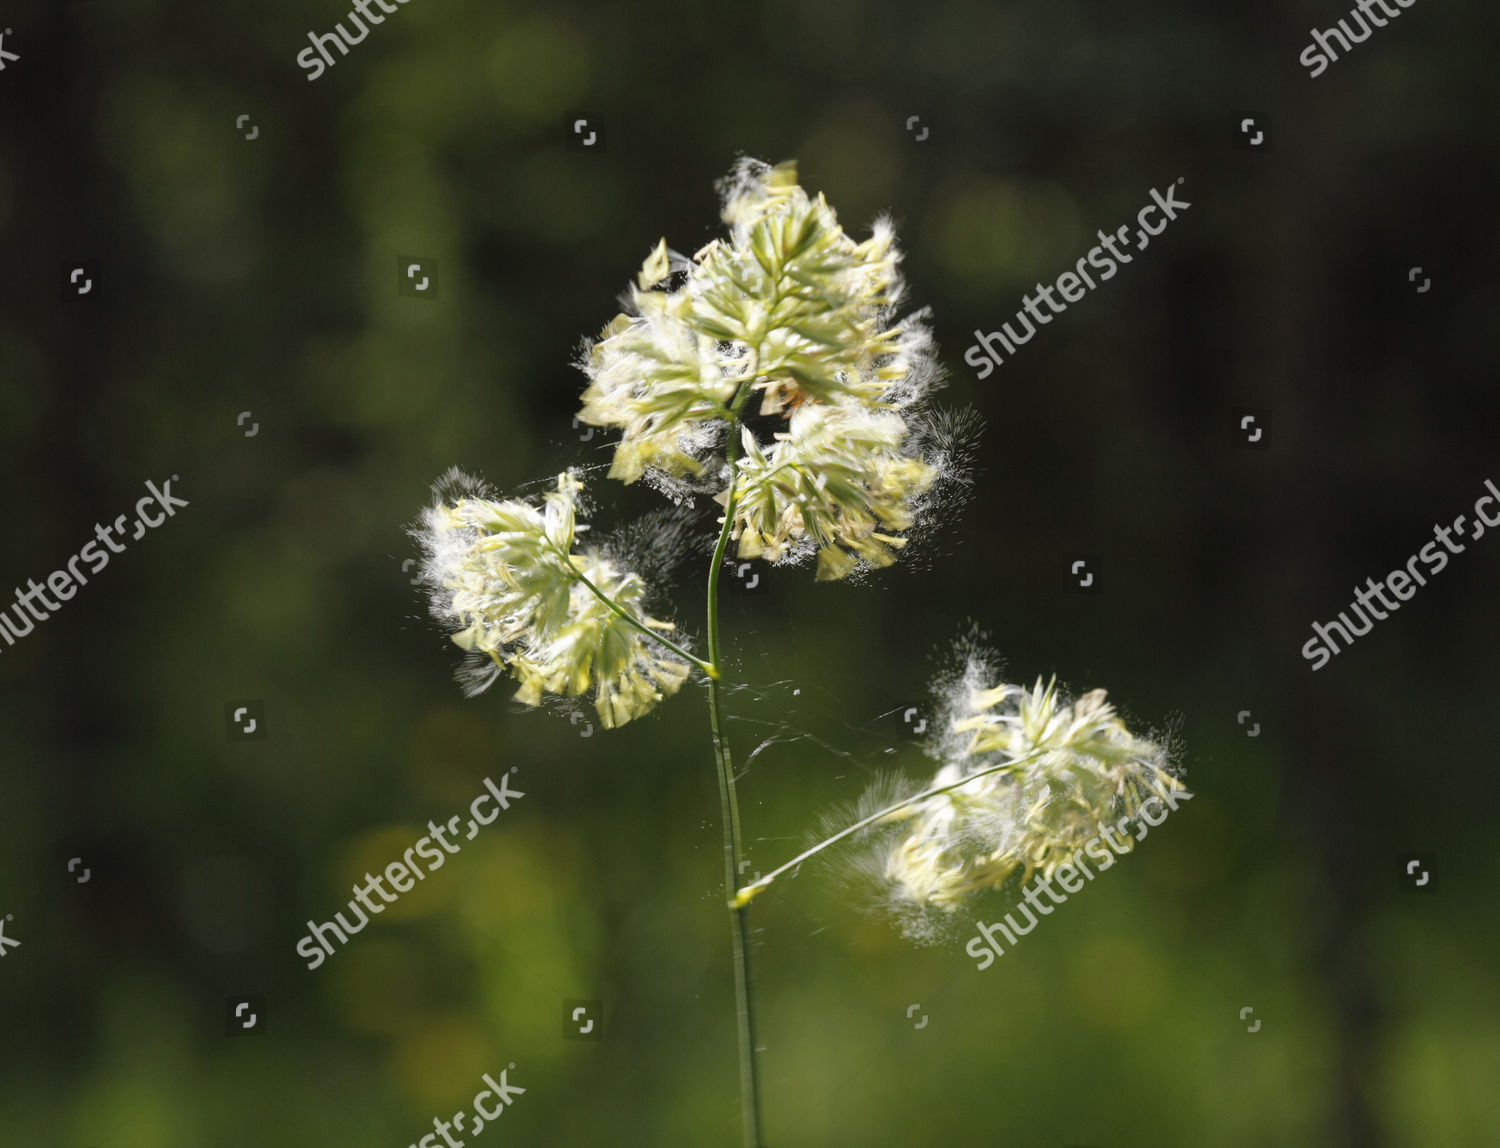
790 311
1068 770
506 578
838 477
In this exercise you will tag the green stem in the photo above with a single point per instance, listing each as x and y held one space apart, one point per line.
729 807
729 810
745 895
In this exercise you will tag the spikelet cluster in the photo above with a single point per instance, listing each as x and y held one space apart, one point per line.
508 578
1071 770
790 309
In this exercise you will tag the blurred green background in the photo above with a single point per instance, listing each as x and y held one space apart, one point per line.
261 275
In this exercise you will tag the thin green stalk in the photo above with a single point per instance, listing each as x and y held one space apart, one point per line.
729 807
729 810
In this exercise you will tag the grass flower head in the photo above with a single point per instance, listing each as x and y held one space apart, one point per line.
511 582
790 309
1055 775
